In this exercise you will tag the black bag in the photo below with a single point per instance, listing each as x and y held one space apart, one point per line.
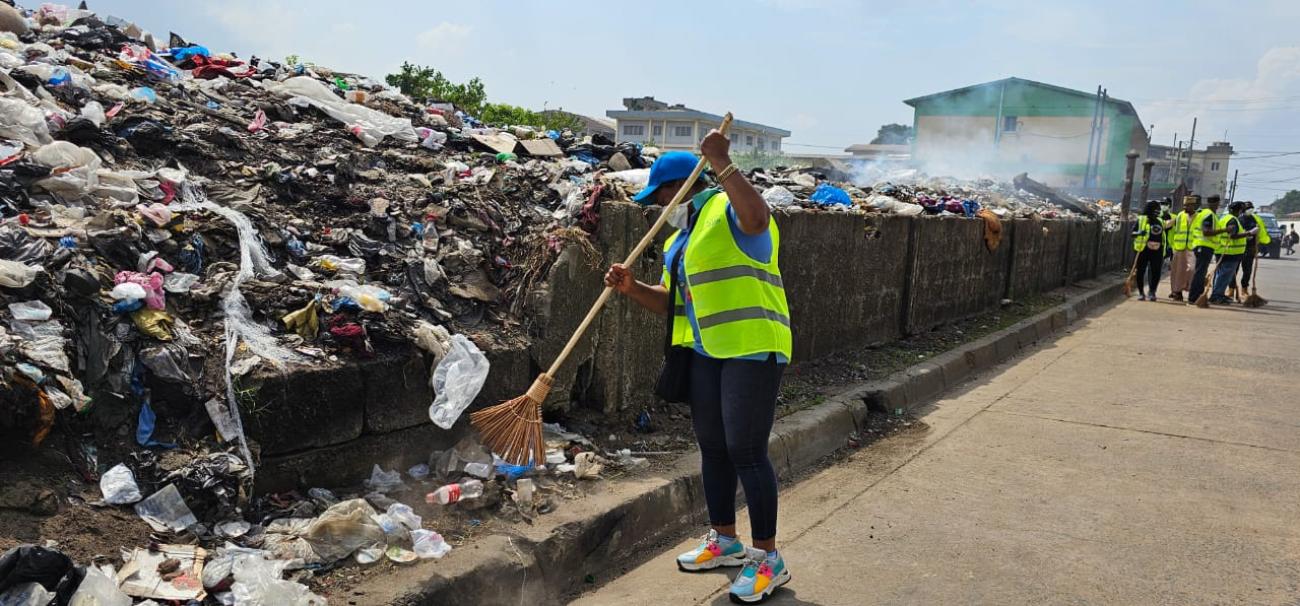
674 384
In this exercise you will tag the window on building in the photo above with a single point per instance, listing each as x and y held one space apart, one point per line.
776 145
634 130
762 143
749 139
682 131
1214 166
659 130
1009 124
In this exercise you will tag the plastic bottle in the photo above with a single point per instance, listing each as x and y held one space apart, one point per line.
452 493
429 235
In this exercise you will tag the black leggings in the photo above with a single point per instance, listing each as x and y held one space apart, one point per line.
733 404
1149 263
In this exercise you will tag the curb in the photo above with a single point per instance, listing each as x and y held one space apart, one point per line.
612 526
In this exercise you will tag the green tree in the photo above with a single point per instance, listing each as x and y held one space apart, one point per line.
504 114
423 82
894 134
1287 203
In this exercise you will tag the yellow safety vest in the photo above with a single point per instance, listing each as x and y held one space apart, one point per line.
1263 238
1144 232
739 303
1228 244
1182 232
1199 238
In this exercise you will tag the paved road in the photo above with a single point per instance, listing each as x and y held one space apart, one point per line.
1152 456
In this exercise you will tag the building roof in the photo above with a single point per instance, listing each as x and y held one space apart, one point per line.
1124 106
878 148
678 112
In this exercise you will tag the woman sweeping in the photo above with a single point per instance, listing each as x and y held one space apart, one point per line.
731 314
1150 242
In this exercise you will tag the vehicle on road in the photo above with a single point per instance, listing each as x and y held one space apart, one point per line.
1274 249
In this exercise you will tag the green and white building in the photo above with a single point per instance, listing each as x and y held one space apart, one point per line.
1013 126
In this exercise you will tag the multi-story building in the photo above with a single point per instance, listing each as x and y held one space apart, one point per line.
677 127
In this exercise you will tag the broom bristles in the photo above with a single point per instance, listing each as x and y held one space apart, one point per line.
1203 301
513 429
1254 300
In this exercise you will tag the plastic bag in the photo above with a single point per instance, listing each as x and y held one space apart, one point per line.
258 583
341 530
26 594
384 481
457 380
17 275
830 195
99 589
118 486
75 168
429 544
371 126
19 120
239 323
404 514
165 510
94 112
127 291
778 196
30 311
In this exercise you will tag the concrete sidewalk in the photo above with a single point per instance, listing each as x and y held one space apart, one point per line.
1152 456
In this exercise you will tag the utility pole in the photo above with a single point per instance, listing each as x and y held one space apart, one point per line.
1177 165
1092 138
1232 195
1191 145
1101 135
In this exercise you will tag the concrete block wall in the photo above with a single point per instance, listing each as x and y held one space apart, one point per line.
851 281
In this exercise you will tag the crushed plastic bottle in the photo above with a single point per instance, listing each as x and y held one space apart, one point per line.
454 493
479 470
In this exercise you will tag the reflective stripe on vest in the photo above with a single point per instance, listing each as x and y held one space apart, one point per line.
740 304
1199 238
682 334
1182 232
1228 244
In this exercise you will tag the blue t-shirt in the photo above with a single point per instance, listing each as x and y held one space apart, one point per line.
758 247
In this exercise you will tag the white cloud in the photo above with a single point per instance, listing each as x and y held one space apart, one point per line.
444 38
1271 95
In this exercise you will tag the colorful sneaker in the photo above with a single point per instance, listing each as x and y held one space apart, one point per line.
711 554
760 577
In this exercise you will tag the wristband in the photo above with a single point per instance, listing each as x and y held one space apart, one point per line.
727 172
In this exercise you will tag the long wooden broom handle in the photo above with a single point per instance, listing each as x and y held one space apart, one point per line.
636 253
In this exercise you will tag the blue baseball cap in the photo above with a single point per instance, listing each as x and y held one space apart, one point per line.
672 166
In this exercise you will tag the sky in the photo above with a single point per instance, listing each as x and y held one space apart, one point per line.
830 71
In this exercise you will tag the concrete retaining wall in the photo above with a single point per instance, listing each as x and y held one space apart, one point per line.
851 281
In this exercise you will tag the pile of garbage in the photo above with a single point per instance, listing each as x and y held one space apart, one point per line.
912 193
174 218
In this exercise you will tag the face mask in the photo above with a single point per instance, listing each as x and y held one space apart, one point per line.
678 216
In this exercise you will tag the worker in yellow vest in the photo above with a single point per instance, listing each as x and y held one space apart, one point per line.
1232 234
730 319
1149 242
1261 238
1180 242
1204 246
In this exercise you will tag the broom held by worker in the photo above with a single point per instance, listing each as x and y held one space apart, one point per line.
731 319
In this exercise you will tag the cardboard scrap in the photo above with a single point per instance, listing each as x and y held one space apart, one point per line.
140 578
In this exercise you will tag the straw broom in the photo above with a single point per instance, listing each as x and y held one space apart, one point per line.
1203 301
1132 276
1254 300
513 429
